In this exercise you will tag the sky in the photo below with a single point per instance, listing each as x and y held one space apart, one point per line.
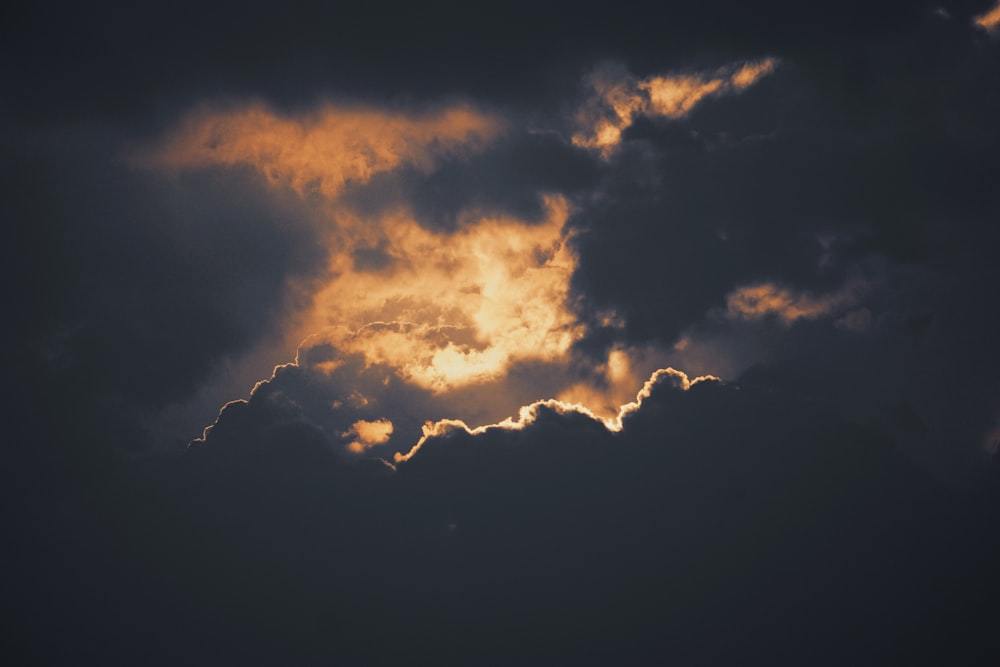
650 333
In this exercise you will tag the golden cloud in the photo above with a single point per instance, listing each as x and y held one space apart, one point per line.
439 310
367 434
753 302
450 309
618 99
324 150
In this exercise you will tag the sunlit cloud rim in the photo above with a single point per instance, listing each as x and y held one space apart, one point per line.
528 414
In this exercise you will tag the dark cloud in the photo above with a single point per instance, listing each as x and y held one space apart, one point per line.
824 240
505 180
328 390
721 523
138 286
695 209
809 183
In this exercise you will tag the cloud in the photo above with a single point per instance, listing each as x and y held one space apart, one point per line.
446 306
619 98
694 526
343 397
438 306
367 434
668 511
990 20
529 414
575 293
325 150
449 309
754 302
750 508
578 286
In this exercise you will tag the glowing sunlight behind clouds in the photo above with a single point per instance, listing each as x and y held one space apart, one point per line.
528 414
452 309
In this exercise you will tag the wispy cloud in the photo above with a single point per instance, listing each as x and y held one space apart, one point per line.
324 150
619 98
754 302
990 21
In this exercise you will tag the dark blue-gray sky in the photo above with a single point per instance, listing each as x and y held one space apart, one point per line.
493 206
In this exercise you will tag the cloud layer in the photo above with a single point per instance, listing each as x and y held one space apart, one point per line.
620 335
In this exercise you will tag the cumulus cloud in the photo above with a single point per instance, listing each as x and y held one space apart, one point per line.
367 434
411 323
391 416
435 307
529 414
569 307
602 526
619 98
669 512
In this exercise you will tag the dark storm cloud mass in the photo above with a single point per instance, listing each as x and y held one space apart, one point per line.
824 239
800 190
720 524
142 285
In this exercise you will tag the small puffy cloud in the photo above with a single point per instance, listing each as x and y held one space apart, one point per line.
619 98
989 21
367 434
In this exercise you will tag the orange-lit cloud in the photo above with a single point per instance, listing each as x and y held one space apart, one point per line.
438 310
615 381
367 434
443 308
324 150
753 302
619 98
444 314
990 21
450 309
